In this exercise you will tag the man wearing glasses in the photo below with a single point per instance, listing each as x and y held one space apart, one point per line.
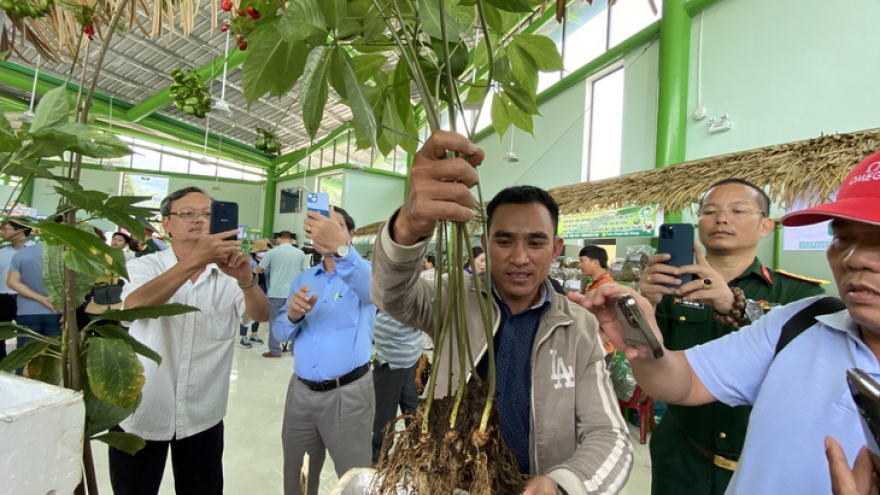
184 399
696 449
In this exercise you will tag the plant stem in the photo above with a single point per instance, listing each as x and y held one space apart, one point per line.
484 25
488 318
89 467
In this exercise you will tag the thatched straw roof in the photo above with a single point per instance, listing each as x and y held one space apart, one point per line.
370 229
809 170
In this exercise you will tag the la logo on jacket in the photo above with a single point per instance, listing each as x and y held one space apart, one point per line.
559 372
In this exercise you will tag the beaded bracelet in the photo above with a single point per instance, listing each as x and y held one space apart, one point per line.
734 316
248 286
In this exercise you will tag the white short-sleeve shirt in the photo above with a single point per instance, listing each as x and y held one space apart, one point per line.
188 392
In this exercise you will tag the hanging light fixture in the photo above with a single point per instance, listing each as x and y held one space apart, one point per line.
222 106
28 116
217 165
511 157
204 158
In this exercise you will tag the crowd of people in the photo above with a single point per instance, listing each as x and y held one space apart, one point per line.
758 399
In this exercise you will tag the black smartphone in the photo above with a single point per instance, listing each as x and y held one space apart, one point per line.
636 329
866 394
224 216
677 240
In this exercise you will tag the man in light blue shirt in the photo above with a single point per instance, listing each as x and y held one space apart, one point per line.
330 399
281 264
18 237
35 310
799 391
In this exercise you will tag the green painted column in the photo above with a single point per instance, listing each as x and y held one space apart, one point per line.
675 39
269 203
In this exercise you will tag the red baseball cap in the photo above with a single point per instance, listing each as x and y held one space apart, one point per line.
858 198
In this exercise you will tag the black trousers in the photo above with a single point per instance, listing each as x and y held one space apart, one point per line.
197 462
393 388
7 313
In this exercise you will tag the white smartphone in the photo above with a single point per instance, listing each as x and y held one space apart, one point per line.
636 329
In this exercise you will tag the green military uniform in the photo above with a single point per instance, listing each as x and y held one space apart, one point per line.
684 447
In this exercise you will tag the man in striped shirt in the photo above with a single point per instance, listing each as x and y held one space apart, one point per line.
398 349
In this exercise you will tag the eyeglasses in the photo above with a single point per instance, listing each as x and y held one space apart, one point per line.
191 216
735 211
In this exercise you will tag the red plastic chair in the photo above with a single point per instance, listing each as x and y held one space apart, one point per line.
644 404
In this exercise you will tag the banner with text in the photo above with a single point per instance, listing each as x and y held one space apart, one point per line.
633 221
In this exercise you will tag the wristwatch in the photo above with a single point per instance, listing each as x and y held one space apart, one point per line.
751 313
341 251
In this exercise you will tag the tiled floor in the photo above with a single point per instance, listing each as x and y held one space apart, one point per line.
252 459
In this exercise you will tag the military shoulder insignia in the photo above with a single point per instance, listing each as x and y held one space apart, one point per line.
802 278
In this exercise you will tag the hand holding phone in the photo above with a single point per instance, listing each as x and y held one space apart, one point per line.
224 217
677 240
866 394
636 330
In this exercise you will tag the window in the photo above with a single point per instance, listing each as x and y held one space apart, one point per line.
604 134
154 187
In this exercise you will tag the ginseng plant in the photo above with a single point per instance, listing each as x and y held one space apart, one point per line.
454 52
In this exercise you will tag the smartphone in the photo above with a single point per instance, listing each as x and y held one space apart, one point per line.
319 202
677 240
636 329
866 394
224 216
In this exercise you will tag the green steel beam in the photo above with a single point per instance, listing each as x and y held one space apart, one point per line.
204 73
289 160
22 78
341 166
597 64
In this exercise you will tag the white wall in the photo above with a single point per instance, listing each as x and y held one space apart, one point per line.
370 197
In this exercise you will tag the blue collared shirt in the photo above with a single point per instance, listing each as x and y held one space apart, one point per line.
514 342
336 336
799 397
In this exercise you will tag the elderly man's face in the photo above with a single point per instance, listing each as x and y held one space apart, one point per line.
854 257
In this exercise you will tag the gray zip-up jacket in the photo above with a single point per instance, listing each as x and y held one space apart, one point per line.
578 437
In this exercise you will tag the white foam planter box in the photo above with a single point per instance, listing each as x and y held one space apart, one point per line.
41 435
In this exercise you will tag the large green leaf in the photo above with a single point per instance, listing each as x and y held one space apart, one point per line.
46 369
334 12
516 5
46 143
26 168
519 119
499 21
273 65
335 73
116 375
364 120
91 267
83 242
78 138
541 49
314 92
20 356
122 211
120 333
500 120
367 64
459 18
126 442
458 54
8 140
53 274
302 20
80 198
521 98
152 311
524 70
477 92
54 107
100 415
